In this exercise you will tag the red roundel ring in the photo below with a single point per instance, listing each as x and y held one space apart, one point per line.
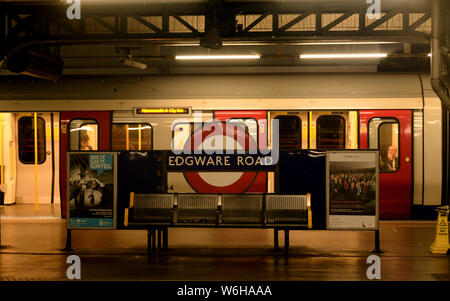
194 178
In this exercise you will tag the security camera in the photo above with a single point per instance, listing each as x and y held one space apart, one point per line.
133 64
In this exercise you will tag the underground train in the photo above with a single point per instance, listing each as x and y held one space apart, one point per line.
394 113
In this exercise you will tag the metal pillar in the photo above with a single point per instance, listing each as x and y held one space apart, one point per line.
68 241
377 243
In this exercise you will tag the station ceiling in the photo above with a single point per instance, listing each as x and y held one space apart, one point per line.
155 32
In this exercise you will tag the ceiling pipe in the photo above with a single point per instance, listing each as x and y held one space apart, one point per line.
436 83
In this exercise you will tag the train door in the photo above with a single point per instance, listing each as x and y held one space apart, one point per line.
333 130
8 149
82 131
255 124
37 176
292 133
390 133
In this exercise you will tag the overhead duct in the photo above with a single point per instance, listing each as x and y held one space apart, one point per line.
212 38
35 63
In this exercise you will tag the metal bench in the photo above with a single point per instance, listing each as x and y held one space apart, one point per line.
157 212
153 209
242 209
197 209
287 210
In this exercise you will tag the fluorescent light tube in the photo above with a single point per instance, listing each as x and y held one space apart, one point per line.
343 56
217 57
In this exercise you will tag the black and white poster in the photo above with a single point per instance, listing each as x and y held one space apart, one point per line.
352 190
91 190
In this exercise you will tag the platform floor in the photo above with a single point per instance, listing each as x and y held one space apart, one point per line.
33 243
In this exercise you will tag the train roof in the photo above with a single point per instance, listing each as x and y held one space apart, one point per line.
207 87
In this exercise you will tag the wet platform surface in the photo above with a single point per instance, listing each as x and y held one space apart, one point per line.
34 243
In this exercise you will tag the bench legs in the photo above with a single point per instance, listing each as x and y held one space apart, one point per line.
150 234
275 239
286 242
276 242
163 236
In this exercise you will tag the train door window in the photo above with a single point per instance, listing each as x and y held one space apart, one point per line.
249 125
384 136
131 136
330 132
180 134
290 131
83 134
26 131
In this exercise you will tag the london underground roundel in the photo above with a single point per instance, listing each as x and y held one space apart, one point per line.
215 136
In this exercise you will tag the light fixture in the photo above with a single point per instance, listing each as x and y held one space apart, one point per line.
343 56
133 64
217 57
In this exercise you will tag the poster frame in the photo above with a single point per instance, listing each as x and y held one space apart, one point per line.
69 153
377 192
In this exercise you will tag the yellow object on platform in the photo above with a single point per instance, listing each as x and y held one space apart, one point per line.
441 244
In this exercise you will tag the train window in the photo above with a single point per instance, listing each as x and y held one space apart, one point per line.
131 136
290 134
26 140
384 136
249 125
83 134
330 131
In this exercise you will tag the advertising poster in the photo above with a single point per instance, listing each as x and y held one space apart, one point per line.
91 190
352 190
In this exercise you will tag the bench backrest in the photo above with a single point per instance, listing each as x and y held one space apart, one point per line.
153 207
242 208
197 208
286 209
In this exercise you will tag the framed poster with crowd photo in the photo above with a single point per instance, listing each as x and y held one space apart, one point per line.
352 190
91 190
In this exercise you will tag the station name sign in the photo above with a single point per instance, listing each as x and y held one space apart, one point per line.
220 162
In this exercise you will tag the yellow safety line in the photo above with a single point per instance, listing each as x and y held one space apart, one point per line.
2 171
140 137
36 204
128 137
